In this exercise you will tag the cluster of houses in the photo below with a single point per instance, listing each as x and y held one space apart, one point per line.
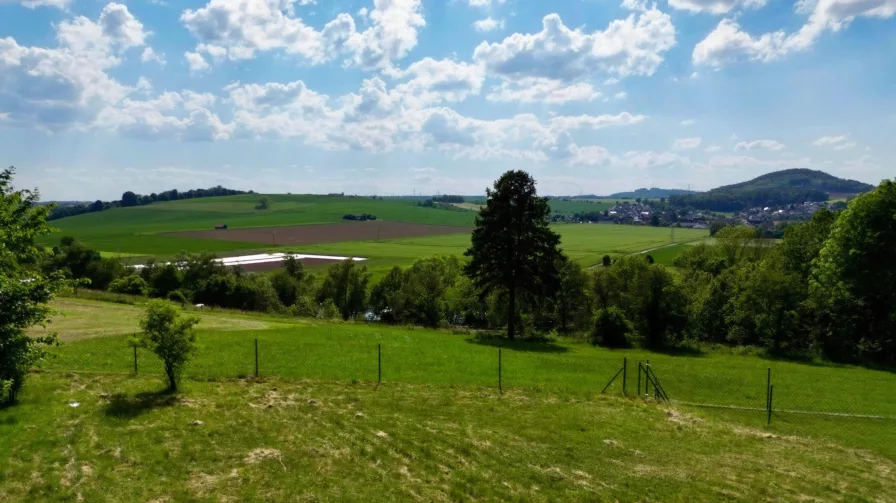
649 213
641 213
789 212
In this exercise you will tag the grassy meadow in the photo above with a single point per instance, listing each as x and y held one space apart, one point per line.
311 349
278 440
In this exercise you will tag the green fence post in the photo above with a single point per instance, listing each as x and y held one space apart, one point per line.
379 363
639 377
624 374
647 378
135 359
500 384
768 385
771 395
256 357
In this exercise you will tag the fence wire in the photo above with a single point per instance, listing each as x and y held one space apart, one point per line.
769 389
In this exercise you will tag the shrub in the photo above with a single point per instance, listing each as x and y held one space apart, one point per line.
606 261
170 336
130 285
329 311
305 307
611 328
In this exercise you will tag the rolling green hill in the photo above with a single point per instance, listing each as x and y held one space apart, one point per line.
652 193
789 186
129 229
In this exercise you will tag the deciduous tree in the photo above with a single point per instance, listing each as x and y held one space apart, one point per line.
170 336
24 289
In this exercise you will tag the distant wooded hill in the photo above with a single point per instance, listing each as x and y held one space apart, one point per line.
789 186
651 193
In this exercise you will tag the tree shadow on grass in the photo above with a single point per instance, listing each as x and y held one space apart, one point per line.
530 345
126 407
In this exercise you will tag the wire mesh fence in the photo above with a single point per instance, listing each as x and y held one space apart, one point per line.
763 388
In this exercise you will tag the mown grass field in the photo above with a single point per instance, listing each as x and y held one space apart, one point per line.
310 349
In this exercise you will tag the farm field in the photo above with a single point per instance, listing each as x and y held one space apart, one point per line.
138 230
408 233
584 243
572 206
311 349
327 233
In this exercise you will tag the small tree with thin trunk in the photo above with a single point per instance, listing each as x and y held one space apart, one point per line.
514 251
170 336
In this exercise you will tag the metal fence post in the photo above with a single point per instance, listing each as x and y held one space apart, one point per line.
500 384
768 385
135 359
647 378
379 363
256 357
771 395
639 378
624 374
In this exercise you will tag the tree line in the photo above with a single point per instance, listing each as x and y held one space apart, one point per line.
129 199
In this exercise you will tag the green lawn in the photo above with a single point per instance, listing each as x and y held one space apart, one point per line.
346 352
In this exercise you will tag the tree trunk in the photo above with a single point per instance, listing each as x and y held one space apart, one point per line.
172 380
511 315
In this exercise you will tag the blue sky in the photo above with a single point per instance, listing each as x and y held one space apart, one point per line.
425 96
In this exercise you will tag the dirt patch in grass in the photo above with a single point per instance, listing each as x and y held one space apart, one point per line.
326 233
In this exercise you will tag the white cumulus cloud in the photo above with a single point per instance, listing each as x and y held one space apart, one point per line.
539 90
196 62
760 145
488 24
630 46
238 29
687 143
728 42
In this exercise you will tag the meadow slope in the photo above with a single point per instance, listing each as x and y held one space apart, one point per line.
311 349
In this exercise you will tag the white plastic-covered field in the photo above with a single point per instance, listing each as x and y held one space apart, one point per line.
275 258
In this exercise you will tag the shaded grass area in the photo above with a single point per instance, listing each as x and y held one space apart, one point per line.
276 440
346 352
